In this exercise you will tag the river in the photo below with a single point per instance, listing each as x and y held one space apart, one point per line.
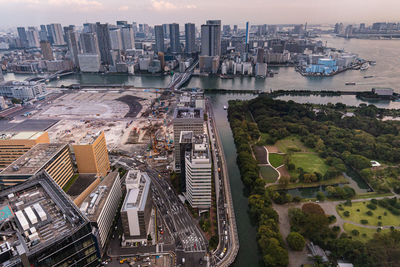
386 74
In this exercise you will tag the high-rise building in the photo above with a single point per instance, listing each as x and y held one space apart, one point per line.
89 28
50 34
22 37
73 45
1 75
14 144
159 34
43 33
174 38
226 29
116 39
89 43
47 52
211 38
33 37
235 29
56 32
198 173
190 38
136 208
186 119
166 30
122 23
128 39
101 205
92 155
54 158
103 37
89 62
44 227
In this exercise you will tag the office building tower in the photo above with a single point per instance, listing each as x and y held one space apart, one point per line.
101 205
73 45
49 34
33 37
23 37
103 37
116 39
55 30
43 33
174 38
89 43
190 38
14 144
47 52
134 27
128 37
235 29
226 29
198 173
211 38
159 34
92 155
166 30
260 55
22 89
136 208
89 28
54 158
44 227
185 145
186 119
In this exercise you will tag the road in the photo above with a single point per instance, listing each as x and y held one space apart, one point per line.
228 245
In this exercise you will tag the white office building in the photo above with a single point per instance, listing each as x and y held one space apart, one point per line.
198 173
22 90
89 62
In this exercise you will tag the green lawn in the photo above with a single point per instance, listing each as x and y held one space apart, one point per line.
338 180
348 227
291 142
276 160
269 174
310 162
356 216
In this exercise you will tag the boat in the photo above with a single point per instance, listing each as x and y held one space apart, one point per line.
368 76
225 107
372 63
364 66
350 83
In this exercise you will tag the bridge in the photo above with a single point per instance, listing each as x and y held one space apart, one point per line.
50 77
179 79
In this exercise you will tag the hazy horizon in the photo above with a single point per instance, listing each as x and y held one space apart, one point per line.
35 12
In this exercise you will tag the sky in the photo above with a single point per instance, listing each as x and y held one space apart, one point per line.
35 12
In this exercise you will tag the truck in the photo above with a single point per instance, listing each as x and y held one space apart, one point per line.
183 260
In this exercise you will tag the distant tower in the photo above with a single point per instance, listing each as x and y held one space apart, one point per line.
211 38
128 39
247 36
159 34
73 45
103 37
22 36
190 38
174 38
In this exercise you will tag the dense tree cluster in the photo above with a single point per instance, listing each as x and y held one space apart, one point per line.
269 239
340 138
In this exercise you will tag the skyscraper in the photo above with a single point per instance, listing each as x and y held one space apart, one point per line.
89 43
166 30
159 34
47 52
116 39
211 38
174 38
56 33
22 36
33 37
73 46
128 39
43 33
190 38
122 23
89 27
50 37
103 37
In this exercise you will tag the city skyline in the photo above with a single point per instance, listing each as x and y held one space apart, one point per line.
34 12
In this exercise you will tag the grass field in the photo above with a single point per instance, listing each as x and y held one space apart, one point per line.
291 143
276 160
269 174
369 233
338 180
356 216
310 162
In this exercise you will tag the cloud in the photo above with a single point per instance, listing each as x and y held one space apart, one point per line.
161 5
123 8
86 4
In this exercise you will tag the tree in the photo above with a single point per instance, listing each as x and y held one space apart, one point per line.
149 238
295 241
320 196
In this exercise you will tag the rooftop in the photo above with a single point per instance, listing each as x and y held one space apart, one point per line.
28 135
81 183
188 113
33 161
93 204
55 217
137 187
89 138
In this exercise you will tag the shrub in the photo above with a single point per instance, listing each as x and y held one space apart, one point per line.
332 219
364 221
348 203
379 217
385 213
364 235
378 229
337 228
369 213
374 201
358 210
355 232
340 208
379 223
371 206
320 196
296 241
346 213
